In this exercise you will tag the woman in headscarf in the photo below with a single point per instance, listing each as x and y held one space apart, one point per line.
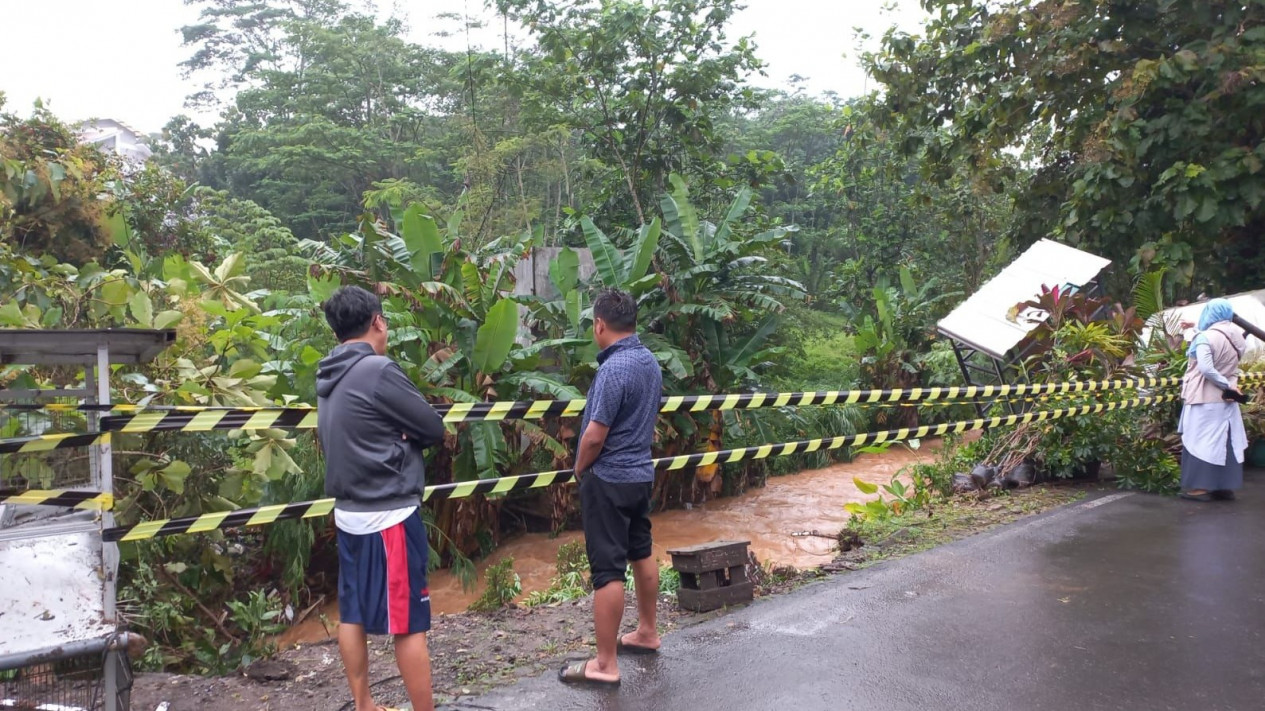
1211 426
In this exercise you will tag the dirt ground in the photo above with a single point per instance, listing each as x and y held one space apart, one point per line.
472 652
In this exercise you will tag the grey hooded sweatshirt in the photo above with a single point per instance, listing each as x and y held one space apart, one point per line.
373 425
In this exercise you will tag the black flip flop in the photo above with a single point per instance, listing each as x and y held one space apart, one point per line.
1223 495
622 647
574 673
1205 497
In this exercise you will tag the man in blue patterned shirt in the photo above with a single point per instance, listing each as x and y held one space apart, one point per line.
616 481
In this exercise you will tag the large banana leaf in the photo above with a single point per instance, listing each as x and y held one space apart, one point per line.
777 234
647 243
433 370
541 383
715 312
488 442
677 361
421 236
682 218
543 438
575 304
741 262
744 353
496 336
455 394
761 301
472 282
907 282
696 271
736 210
644 285
564 271
539 346
607 259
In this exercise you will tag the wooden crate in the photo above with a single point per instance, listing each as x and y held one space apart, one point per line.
713 575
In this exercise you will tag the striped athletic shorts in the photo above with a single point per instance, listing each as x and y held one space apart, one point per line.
382 579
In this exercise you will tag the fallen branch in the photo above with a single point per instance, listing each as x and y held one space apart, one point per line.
303 615
217 621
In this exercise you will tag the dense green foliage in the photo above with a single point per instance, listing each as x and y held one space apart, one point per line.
1144 122
774 240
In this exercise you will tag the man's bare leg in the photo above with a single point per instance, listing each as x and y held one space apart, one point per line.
608 612
413 656
646 577
353 646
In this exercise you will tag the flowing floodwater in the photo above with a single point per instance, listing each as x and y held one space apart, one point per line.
767 517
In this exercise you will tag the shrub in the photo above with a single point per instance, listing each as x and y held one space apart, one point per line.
669 580
503 586
1145 464
571 581
825 361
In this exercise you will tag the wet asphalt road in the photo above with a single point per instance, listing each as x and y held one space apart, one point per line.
1125 601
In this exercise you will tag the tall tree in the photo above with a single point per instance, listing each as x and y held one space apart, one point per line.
329 102
645 83
1146 118
235 40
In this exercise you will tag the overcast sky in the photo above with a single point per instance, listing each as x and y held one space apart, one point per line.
117 58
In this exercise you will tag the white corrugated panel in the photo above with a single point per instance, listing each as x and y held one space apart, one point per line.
982 321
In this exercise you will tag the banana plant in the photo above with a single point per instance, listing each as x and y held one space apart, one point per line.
718 300
708 303
455 329
895 337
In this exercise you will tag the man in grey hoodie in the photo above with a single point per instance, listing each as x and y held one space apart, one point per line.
373 425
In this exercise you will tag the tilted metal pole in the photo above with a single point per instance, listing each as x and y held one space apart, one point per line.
1248 328
59 652
103 477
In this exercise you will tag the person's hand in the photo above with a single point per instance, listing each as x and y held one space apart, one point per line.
1234 395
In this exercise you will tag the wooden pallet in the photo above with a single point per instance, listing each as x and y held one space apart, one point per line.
713 575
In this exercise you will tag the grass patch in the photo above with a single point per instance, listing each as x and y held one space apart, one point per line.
872 540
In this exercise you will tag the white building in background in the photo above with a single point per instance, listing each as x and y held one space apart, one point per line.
116 137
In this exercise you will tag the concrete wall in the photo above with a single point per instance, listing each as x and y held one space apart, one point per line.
531 275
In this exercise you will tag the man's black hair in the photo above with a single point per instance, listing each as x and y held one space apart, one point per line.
350 311
617 308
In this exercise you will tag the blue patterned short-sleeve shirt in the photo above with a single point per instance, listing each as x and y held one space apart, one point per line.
625 397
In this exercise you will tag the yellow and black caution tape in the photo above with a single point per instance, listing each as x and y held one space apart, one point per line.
88 500
69 407
529 409
206 418
46 443
187 419
213 419
308 509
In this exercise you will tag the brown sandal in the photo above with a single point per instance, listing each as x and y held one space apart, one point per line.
622 647
577 673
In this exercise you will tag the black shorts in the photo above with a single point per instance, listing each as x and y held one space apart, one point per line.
616 526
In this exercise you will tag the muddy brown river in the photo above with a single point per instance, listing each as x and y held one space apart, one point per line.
808 501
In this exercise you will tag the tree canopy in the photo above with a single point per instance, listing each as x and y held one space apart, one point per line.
1144 122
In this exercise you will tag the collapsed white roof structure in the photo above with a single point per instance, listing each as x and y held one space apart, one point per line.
985 322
